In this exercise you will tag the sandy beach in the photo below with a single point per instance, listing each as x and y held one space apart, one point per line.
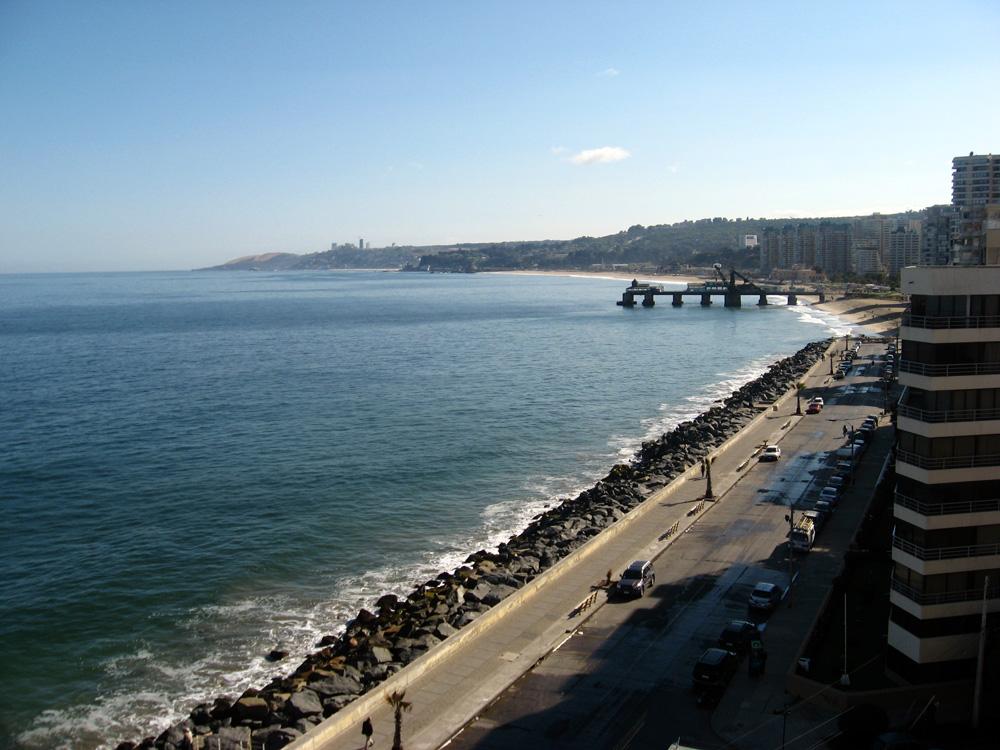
877 316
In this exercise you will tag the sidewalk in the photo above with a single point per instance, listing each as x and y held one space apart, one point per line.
449 686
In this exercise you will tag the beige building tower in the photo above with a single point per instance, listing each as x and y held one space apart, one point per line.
946 541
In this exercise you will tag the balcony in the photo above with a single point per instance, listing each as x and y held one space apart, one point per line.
943 321
948 415
949 508
949 371
945 553
948 462
945 597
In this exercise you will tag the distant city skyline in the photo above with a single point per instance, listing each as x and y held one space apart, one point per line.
141 136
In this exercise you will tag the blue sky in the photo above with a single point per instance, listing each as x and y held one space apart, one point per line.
140 135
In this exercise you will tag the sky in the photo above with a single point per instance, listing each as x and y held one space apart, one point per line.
149 135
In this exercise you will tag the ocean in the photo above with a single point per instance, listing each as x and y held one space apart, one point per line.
198 467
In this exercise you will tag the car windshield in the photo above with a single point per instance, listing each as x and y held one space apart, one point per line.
631 574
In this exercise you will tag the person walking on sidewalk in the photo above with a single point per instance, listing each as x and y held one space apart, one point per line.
367 730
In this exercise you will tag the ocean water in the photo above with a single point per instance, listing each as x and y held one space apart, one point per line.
198 467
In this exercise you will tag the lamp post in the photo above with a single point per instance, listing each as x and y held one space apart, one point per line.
708 478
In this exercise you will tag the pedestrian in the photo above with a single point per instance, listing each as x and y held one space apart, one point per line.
845 430
187 743
703 468
367 730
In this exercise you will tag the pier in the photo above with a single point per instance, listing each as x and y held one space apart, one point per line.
731 291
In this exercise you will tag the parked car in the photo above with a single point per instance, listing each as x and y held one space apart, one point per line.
714 669
825 507
637 577
736 636
839 375
765 596
844 467
837 480
814 407
830 494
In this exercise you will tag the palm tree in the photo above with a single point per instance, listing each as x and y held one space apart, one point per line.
395 699
799 387
707 463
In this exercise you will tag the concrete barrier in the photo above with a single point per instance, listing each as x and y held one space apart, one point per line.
350 717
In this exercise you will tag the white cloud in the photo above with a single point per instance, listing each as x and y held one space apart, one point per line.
602 155
609 73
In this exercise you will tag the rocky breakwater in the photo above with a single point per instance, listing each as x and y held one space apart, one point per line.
377 644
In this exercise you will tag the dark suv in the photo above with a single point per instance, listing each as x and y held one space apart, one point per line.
714 669
737 636
637 577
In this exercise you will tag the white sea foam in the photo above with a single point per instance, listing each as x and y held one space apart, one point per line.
835 325
672 414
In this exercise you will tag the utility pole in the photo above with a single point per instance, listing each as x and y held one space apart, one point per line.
788 546
845 679
982 656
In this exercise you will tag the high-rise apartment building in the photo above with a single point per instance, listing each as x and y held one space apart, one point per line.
806 245
946 540
865 257
903 250
935 236
833 247
975 185
770 250
975 180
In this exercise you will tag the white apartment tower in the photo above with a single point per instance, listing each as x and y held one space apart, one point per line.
946 541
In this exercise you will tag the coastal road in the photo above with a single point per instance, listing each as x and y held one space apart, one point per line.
547 676
624 679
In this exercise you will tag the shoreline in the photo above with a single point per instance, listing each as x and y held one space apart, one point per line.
872 315
376 645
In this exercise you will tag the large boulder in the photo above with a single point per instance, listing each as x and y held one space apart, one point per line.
228 738
337 685
275 739
305 703
250 709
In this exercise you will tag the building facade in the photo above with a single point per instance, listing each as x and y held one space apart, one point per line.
866 259
903 250
975 187
946 540
936 233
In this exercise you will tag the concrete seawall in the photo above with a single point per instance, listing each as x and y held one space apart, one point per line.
348 720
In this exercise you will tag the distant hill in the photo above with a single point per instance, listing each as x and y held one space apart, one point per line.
666 246
343 256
